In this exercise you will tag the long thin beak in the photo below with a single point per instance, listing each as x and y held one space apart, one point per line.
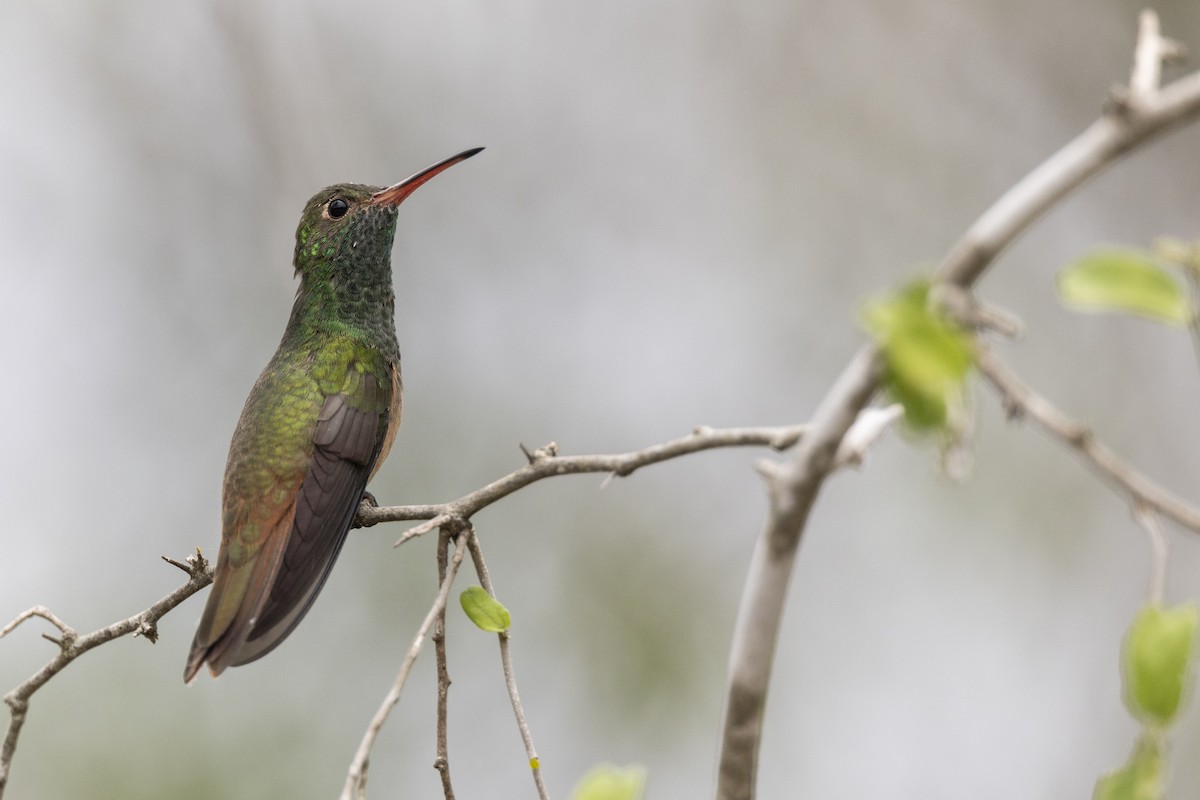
395 195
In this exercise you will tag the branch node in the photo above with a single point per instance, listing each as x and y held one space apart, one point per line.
772 471
197 564
1013 410
147 629
454 525
964 307
785 440
1119 102
548 450
1078 434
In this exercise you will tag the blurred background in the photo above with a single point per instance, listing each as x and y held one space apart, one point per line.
681 207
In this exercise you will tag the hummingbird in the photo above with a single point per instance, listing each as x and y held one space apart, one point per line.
318 424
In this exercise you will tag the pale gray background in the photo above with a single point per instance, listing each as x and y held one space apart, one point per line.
681 207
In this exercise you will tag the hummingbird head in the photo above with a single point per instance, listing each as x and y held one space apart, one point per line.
348 226
344 258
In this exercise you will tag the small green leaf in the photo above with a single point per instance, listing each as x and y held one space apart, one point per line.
484 610
1157 661
927 354
1124 280
607 782
1140 779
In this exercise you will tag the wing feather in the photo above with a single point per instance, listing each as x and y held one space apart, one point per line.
350 431
286 558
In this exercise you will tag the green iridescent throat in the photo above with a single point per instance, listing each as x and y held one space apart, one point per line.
345 272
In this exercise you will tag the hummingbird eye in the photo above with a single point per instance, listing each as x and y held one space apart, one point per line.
337 208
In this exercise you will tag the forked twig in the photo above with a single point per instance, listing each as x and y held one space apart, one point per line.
795 485
356 779
71 646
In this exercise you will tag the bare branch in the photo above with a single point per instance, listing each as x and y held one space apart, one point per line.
506 662
356 779
794 486
442 760
72 646
1023 401
545 463
1098 147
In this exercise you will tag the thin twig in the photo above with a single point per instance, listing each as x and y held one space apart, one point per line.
506 661
38 611
442 761
72 646
1151 52
356 779
793 486
1023 401
1159 552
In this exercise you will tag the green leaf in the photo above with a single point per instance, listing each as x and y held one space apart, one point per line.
1140 779
927 355
1129 281
484 610
607 782
1157 661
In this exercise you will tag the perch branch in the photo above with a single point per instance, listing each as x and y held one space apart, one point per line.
546 463
793 486
543 463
